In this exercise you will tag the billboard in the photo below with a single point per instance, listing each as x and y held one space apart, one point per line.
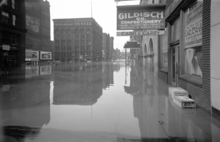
140 17
31 55
44 55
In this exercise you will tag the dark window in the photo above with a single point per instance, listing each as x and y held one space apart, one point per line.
14 40
5 17
14 20
13 4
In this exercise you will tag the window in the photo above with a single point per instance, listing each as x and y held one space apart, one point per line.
57 42
68 48
14 40
193 61
63 48
5 2
13 20
57 48
63 42
13 4
68 42
5 17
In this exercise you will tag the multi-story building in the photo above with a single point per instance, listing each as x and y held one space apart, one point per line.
77 39
105 46
12 34
38 45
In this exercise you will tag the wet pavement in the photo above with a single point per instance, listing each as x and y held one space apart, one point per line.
97 102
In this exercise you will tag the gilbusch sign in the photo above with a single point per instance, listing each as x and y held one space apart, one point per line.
140 17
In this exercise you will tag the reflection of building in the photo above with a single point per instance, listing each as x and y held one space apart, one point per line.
38 26
27 105
77 39
12 34
82 85
107 75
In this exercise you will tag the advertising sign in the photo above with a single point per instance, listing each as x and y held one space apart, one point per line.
144 32
45 55
140 17
193 29
32 24
31 55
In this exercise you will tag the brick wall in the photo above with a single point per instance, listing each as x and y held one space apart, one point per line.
206 53
196 93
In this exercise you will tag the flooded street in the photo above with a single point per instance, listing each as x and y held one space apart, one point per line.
97 102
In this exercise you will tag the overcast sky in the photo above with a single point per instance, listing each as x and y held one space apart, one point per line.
103 11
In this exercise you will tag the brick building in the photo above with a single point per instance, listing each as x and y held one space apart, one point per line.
77 39
38 45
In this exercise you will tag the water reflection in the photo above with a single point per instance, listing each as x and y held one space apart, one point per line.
25 109
159 118
77 85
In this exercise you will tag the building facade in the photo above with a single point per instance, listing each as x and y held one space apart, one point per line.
77 39
38 45
12 34
185 49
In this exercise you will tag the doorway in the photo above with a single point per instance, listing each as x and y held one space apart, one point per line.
175 65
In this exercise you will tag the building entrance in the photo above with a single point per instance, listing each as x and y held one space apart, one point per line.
175 64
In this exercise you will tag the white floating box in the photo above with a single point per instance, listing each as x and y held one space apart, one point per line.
177 91
184 102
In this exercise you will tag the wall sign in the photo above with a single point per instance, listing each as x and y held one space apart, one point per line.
31 55
140 17
193 28
45 55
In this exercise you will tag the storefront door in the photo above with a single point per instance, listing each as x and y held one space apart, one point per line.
175 64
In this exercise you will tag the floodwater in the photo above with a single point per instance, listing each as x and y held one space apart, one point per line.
97 102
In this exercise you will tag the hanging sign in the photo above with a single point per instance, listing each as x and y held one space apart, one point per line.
140 17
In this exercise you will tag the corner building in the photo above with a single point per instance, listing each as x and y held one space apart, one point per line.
12 34
77 39
38 44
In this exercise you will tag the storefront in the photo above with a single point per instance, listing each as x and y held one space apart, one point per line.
185 65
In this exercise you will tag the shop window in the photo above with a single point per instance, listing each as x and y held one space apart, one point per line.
5 17
193 61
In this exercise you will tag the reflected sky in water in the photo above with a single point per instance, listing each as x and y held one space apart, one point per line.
97 102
